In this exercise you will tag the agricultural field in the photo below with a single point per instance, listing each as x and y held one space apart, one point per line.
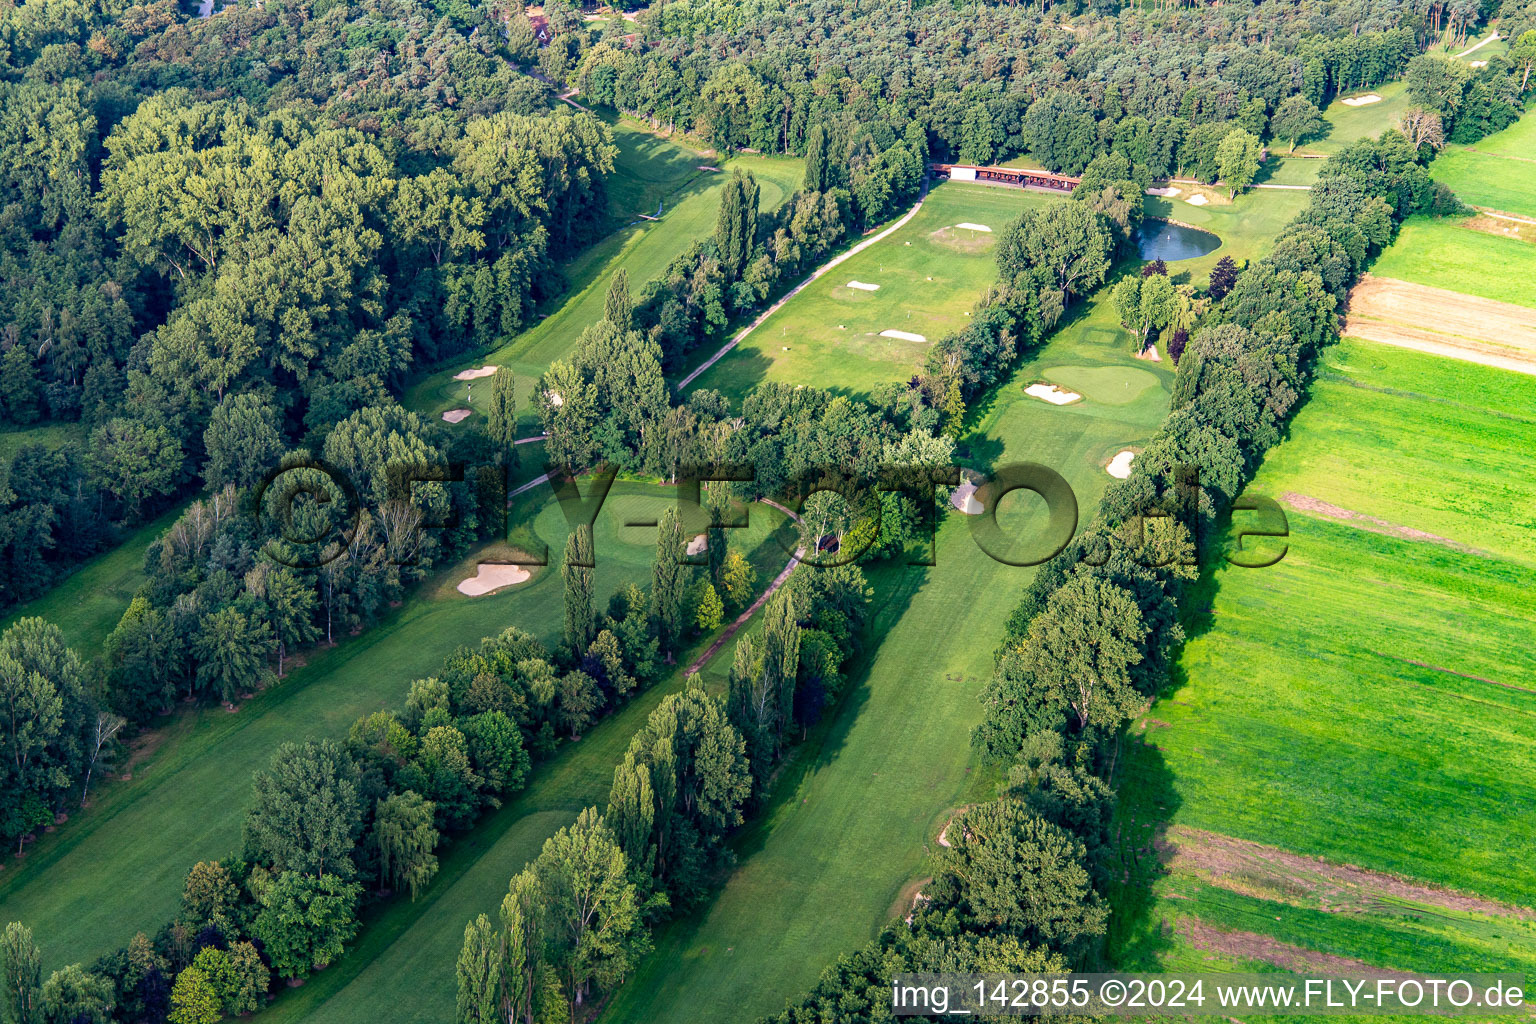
1495 173
923 280
1444 254
1316 719
122 864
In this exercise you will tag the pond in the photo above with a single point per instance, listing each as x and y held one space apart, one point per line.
1160 240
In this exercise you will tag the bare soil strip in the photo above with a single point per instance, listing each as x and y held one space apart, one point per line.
1443 322
1262 948
1372 524
1271 873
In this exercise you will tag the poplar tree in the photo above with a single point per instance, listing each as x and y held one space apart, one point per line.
617 307
736 226
816 160
576 572
501 416
669 582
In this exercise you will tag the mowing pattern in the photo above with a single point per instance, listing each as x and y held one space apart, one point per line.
1369 701
1451 254
1498 173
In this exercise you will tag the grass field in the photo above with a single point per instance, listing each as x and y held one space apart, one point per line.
51 435
930 274
1369 699
87 887
648 168
87 604
1444 254
1498 173
1347 124
851 823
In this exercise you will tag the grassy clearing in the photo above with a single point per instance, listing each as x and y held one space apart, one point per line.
930 274
50 435
1326 708
1347 123
1444 254
852 819
1282 170
88 887
88 603
648 167
1498 172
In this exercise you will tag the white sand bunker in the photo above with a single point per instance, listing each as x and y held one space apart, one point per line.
1196 200
1053 394
698 544
489 577
1361 101
964 499
485 371
1169 191
974 227
457 415
863 287
1120 466
902 335
554 398
1479 63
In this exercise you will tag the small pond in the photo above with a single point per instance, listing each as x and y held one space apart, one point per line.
1160 240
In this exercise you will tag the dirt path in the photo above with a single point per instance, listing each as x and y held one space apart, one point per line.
1262 948
1275 874
797 289
1443 322
741 620
1370 523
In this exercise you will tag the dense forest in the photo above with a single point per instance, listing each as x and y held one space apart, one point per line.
228 242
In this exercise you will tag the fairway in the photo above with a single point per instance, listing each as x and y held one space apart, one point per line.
643 248
119 868
1444 254
87 604
929 274
852 820
1321 717
1346 123
1246 226
1496 173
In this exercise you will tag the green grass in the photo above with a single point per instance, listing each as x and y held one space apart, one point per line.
1368 699
87 604
89 886
1444 254
930 275
1284 170
1348 124
1499 172
50 435
850 824
643 249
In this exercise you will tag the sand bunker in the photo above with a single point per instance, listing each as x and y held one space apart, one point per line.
974 227
1479 63
964 499
1361 101
1053 394
902 335
698 544
554 398
484 371
1120 466
863 287
489 577
1168 192
1196 200
457 415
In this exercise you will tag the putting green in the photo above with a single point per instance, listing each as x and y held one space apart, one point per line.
1112 385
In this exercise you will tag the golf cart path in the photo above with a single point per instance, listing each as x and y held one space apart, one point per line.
797 289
